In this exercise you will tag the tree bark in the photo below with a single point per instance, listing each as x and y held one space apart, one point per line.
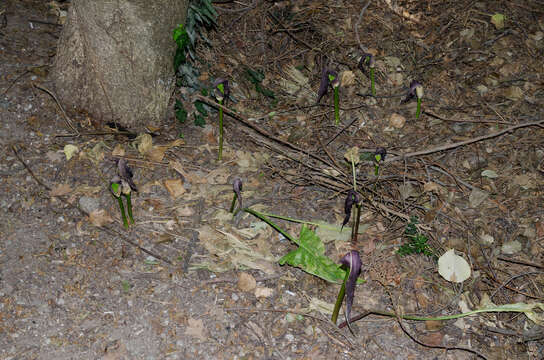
114 60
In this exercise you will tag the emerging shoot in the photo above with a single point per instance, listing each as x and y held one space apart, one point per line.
368 60
330 77
221 87
122 185
237 188
416 90
379 155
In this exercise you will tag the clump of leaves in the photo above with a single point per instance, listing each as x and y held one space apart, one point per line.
417 242
367 60
330 77
256 78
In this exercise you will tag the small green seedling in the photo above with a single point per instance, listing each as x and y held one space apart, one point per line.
367 60
221 87
417 242
379 155
330 77
416 90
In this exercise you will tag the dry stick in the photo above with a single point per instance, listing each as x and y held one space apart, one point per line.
539 123
66 118
259 130
520 262
106 229
428 113
365 50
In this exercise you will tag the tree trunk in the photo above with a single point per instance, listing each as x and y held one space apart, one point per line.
115 60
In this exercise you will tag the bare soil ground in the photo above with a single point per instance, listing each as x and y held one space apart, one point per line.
189 282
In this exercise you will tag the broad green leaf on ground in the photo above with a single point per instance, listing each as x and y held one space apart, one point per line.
310 257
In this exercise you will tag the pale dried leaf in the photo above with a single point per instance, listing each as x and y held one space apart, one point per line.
174 187
263 292
195 328
144 142
70 150
453 267
246 282
100 217
60 190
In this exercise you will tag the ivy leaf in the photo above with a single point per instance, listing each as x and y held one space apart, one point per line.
310 257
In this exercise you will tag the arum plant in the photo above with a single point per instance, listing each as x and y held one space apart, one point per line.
367 60
351 262
221 87
379 155
416 90
330 77
122 185
237 188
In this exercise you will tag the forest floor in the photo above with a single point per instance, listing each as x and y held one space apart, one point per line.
187 281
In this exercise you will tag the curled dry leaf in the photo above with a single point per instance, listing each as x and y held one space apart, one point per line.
352 155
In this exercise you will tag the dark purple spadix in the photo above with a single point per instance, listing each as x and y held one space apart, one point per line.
351 260
326 81
352 198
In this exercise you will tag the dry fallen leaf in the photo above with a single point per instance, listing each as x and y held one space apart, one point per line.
156 153
174 187
195 328
263 292
144 142
100 217
453 267
397 120
118 150
60 190
246 282
70 150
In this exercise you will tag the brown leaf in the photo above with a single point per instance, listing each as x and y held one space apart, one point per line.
156 153
174 187
433 339
60 190
246 282
100 217
195 328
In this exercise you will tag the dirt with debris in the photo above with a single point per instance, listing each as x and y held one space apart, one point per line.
189 281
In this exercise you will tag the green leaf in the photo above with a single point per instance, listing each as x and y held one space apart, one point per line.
126 286
181 113
310 257
199 120
199 105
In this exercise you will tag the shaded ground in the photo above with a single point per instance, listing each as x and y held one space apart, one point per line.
69 289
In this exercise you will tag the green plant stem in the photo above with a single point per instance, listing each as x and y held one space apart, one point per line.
233 203
129 208
339 299
220 155
122 208
418 111
376 169
372 85
271 223
337 105
438 318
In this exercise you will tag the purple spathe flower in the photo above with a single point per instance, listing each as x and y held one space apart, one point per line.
380 154
326 76
415 88
352 198
351 260
237 187
367 60
223 91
